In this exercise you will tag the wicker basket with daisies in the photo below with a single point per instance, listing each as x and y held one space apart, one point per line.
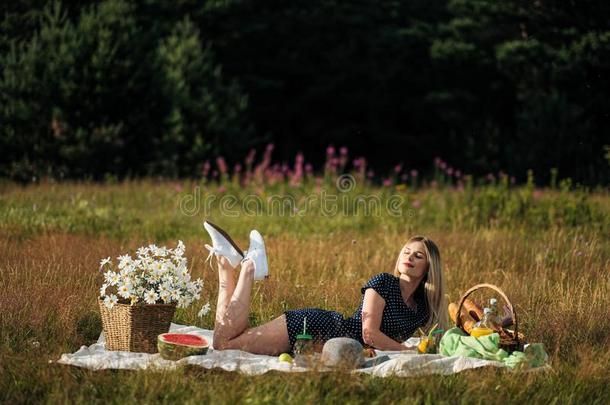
139 296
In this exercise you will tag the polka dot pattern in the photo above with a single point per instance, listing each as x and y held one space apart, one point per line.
322 325
399 321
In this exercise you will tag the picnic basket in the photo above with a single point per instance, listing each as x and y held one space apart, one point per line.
510 340
135 328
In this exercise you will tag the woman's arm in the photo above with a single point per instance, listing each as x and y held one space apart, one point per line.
372 312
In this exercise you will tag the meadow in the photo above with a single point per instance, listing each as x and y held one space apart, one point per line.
548 248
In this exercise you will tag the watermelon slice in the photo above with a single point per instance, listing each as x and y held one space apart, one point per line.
174 346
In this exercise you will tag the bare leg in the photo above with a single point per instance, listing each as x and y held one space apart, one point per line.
232 316
226 287
270 338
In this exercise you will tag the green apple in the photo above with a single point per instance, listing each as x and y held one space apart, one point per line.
285 357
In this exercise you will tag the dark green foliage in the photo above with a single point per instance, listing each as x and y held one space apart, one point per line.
98 94
154 87
523 84
199 104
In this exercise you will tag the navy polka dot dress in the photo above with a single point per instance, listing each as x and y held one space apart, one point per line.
399 321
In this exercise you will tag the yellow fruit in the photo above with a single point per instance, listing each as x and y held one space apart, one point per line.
285 357
423 345
478 332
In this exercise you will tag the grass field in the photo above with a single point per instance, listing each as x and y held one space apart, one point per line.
548 249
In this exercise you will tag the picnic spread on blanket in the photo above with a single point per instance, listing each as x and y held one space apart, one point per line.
384 364
140 334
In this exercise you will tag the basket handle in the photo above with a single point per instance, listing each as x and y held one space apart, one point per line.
458 321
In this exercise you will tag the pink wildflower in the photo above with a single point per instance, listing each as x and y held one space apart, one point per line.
206 168
222 165
250 157
537 194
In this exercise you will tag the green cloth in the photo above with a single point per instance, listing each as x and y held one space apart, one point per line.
457 343
516 360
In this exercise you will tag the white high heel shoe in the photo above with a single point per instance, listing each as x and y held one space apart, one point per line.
222 245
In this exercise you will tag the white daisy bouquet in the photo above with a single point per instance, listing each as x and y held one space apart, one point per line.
157 275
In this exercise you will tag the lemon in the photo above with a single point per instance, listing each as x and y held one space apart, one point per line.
423 345
285 357
478 332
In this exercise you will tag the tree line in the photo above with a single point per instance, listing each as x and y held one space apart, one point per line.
149 87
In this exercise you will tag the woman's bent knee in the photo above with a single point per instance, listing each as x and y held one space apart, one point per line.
222 344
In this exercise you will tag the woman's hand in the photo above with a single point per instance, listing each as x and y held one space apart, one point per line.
408 346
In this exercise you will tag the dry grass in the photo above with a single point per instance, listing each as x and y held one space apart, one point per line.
558 282
557 278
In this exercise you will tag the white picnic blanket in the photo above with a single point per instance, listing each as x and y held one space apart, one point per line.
401 364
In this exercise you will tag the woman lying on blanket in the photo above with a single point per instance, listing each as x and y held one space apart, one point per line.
392 307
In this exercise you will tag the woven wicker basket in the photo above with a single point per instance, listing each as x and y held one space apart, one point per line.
510 340
134 328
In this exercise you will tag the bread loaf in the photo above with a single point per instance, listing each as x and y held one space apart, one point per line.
475 311
467 321
453 311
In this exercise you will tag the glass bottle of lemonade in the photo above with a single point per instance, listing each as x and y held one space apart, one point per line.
484 326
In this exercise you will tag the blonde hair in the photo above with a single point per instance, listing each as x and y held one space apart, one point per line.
434 287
